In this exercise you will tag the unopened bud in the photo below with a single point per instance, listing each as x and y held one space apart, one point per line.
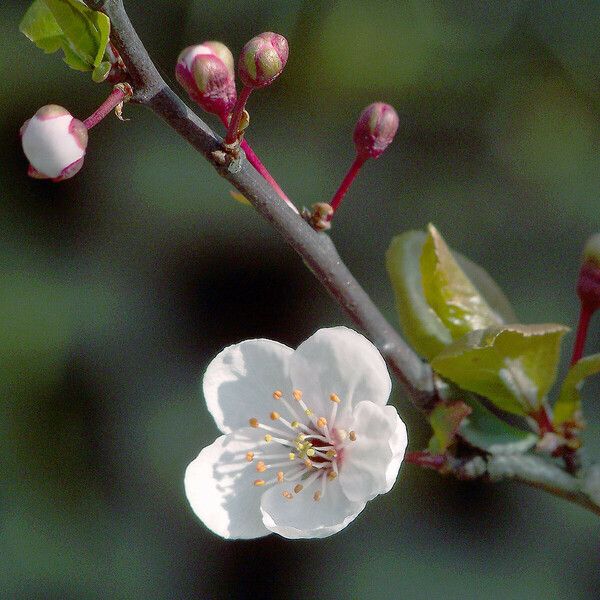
263 59
54 142
375 129
206 72
588 284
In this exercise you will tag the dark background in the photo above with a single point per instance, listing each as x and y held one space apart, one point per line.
118 286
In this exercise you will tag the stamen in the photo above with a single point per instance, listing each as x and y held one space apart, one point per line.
287 495
334 398
259 482
291 455
261 467
279 476
253 422
317 496
298 488
274 416
249 456
268 438
331 475
297 395
308 463
321 422
352 436
277 394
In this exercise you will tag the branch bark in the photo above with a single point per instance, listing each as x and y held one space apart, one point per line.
316 249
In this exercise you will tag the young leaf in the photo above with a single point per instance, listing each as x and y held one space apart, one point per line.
421 325
70 25
484 430
568 404
445 419
449 292
514 366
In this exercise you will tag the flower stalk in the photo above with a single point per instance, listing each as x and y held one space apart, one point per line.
121 93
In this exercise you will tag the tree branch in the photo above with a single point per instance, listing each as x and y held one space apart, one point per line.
316 249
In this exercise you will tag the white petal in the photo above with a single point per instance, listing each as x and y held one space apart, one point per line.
49 145
370 464
302 516
240 381
219 486
343 362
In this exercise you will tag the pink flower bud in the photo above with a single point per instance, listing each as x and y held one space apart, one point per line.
263 59
375 129
588 285
206 73
54 142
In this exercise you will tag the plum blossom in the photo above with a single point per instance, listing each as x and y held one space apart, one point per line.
54 142
307 437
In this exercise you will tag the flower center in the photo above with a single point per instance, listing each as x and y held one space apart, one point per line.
311 446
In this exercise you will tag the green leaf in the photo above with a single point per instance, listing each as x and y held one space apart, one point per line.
484 430
449 292
445 420
421 326
568 405
513 366
100 73
70 25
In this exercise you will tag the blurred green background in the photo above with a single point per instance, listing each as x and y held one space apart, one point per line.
118 286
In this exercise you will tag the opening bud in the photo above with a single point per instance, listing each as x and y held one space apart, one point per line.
588 285
54 143
206 72
375 129
263 59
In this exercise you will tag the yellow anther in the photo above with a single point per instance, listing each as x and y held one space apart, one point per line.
330 453
352 436
291 455
308 412
274 416
297 395
298 488
317 496
321 422
301 436
299 446
331 475
334 398
268 437
253 422
287 495
259 482
279 476
310 452
249 456
295 424
261 467
277 394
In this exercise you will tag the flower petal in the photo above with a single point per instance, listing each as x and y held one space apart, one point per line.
339 360
219 487
240 381
370 464
303 517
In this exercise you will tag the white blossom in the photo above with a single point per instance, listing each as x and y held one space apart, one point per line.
54 142
308 437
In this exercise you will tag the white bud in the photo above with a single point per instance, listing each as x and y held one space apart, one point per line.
54 142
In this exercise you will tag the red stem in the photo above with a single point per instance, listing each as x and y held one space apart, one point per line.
258 165
236 115
115 98
359 161
426 460
585 314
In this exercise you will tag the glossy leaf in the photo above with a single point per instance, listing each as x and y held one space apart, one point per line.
421 326
484 430
70 25
449 292
445 419
568 404
513 366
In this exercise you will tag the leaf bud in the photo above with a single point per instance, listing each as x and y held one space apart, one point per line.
206 72
588 284
54 143
263 59
375 129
